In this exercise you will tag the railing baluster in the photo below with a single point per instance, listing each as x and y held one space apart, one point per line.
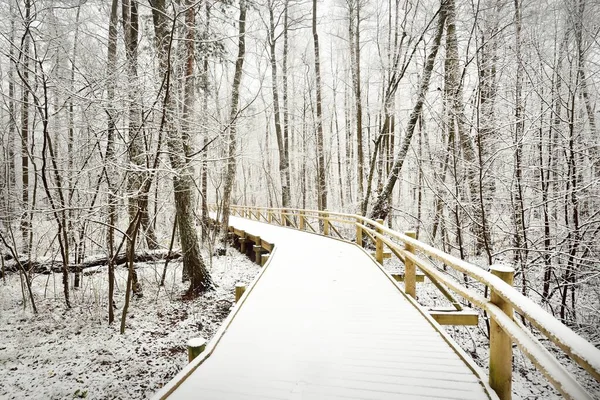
410 273
359 233
379 243
500 342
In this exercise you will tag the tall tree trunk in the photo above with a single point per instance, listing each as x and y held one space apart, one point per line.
286 105
204 166
137 154
187 75
381 207
12 118
453 92
233 116
354 38
281 145
520 236
24 64
321 178
110 151
183 182
70 156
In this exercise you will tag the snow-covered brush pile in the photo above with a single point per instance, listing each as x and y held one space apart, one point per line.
65 354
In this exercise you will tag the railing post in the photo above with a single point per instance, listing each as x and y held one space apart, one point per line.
282 218
500 342
301 222
379 244
195 347
240 288
326 225
359 233
269 216
410 273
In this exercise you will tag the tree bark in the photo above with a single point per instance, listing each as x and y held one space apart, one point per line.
24 67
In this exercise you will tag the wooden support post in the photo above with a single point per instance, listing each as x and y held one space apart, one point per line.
326 225
301 222
195 347
269 216
242 241
257 250
410 279
263 259
359 233
500 342
239 291
379 244
258 214
282 218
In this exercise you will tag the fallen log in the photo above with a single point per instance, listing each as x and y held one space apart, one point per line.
48 266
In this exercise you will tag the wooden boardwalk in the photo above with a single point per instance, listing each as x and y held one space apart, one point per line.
324 321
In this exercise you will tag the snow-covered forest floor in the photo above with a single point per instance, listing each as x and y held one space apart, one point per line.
66 354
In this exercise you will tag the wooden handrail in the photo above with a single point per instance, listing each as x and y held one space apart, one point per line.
417 253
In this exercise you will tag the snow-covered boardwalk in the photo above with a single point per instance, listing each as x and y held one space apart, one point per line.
324 321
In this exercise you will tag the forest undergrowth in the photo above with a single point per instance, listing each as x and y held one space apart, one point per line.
74 353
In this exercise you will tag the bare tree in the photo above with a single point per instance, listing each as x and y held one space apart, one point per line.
381 206
233 117
321 178
183 183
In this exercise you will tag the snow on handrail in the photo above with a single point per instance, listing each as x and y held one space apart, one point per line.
580 350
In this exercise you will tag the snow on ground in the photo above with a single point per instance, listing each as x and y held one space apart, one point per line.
66 354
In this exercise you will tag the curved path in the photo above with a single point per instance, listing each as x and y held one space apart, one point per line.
324 321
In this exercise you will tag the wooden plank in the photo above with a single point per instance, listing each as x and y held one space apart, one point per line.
253 238
399 277
449 316
385 255
239 233
267 246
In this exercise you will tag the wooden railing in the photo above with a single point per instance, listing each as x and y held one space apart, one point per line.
504 300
